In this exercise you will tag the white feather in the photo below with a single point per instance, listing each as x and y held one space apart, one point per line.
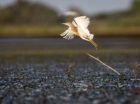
67 34
82 23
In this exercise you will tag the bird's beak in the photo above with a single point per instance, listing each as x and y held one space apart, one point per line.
64 23
94 44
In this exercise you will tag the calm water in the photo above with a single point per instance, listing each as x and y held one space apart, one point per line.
49 43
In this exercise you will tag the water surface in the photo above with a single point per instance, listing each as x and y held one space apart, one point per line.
50 71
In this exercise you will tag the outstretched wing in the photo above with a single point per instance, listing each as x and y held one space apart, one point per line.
67 34
81 21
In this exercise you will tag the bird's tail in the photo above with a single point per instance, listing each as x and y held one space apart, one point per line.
94 44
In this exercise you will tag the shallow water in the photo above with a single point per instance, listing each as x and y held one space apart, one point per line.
32 75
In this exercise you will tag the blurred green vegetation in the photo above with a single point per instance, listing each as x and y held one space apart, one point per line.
24 18
124 18
26 13
31 31
123 22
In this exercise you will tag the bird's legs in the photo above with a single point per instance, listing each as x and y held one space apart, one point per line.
94 44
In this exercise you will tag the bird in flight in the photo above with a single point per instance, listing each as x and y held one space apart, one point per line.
79 27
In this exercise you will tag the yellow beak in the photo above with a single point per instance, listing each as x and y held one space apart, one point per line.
94 44
64 23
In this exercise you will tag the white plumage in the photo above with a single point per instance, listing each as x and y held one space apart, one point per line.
81 21
79 27
67 34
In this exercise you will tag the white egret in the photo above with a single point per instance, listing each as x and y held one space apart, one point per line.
79 27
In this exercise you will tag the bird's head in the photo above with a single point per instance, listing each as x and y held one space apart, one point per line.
67 23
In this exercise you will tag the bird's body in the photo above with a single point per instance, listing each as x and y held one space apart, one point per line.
79 27
73 29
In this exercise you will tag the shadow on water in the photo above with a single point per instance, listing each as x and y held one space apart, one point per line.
48 71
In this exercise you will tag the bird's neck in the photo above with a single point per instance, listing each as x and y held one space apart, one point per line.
70 25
